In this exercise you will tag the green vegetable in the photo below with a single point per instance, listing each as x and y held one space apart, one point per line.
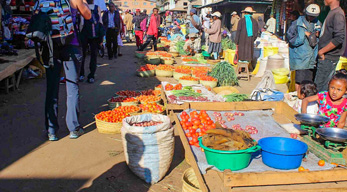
228 44
235 97
187 88
179 47
225 74
187 93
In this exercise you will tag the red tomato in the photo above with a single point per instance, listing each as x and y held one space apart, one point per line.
210 122
195 127
196 122
195 139
184 113
213 126
191 142
189 124
196 145
192 131
188 134
203 112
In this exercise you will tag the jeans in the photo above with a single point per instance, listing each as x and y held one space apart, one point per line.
149 38
111 42
52 93
93 44
233 36
325 71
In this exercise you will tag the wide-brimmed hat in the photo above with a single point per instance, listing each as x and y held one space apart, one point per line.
217 14
234 13
248 10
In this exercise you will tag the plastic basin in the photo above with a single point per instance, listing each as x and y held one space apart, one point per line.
281 152
233 160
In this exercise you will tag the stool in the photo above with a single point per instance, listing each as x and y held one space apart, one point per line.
240 74
10 82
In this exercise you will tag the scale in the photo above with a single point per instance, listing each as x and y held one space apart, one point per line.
326 143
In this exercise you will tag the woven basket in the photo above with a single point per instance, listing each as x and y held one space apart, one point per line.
140 54
190 181
149 73
187 82
107 127
177 76
168 61
212 84
129 103
162 73
154 60
174 54
212 62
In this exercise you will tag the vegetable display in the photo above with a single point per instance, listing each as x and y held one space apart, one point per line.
148 98
127 93
235 97
189 78
225 74
228 44
152 108
179 47
165 67
112 116
207 78
128 109
184 71
151 92
147 67
123 99
169 87
191 93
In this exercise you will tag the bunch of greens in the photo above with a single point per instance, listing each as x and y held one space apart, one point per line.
179 48
228 44
225 74
187 92
235 97
200 58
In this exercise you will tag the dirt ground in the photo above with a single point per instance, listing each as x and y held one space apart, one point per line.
93 162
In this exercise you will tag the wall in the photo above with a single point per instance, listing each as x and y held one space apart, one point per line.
135 4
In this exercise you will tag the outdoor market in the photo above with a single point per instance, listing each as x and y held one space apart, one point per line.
220 96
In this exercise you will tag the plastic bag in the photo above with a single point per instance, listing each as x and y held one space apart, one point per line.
266 95
148 150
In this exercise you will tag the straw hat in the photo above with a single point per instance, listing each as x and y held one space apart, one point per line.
217 14
248 10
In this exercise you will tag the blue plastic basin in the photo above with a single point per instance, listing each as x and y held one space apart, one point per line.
281 152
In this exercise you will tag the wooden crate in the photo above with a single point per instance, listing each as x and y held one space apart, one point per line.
172 107
264 181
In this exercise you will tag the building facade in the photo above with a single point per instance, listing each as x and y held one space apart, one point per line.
135 4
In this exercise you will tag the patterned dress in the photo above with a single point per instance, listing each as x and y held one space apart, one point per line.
328 109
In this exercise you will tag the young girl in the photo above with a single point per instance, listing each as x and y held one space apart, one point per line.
331 103
307 89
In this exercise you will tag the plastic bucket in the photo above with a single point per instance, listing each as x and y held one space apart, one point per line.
269 50
342 64
233 160
281 79
282 153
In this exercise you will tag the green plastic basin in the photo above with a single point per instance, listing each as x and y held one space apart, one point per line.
233 160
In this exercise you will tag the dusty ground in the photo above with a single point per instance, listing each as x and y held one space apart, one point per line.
93 162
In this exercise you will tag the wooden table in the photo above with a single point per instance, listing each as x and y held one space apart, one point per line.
14 64
262 181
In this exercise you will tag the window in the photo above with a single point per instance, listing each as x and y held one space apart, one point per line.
185 4
144 3
152 4
135 3
125 3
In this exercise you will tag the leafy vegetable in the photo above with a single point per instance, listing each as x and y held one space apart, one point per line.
225 74
179 93
235 97
179 48
228 44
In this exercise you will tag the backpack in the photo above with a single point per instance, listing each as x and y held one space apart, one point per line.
92 27
51 26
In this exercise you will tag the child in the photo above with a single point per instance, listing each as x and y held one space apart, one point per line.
307 89
331 103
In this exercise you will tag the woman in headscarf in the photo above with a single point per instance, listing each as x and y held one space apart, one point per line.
247 32
215 35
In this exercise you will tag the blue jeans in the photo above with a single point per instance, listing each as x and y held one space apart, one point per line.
325 71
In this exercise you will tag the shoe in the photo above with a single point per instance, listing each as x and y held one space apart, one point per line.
81 78
119 54
52 137
76 134
62 80
91 80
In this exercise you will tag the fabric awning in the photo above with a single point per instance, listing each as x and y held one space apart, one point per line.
224 2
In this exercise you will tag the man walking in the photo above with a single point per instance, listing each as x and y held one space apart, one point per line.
332 43
195 27
153 23
234 22
111 21
138 31
128 21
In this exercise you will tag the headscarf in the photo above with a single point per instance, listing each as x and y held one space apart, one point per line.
249 25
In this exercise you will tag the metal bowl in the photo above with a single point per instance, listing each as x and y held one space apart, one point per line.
333 134
310 119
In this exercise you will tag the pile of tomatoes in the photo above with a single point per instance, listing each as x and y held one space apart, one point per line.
189 78
148 98
151 92
184 71
196 124
165 67
152 108
169 87
123 99
112 116
199 73
165 54
127 93
207 78
147 67
127 109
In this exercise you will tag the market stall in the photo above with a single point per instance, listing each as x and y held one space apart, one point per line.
256 173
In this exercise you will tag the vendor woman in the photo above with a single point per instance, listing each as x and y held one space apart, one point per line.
215 35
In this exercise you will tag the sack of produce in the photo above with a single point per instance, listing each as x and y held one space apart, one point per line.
148 143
